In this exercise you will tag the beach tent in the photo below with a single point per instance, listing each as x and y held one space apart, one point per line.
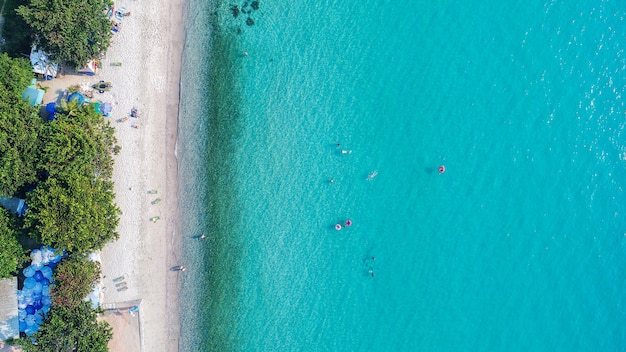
32 95
42 64
91 68
14 205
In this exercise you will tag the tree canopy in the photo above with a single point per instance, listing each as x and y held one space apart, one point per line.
11 252
70 329
79 141
19 127
77 214
74 278
71 31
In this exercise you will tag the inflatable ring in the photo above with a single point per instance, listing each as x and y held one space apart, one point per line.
338 227
442 169
348 222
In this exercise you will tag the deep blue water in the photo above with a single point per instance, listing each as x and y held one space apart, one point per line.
518 246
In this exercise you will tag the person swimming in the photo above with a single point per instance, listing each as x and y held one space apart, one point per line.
346 151
372 175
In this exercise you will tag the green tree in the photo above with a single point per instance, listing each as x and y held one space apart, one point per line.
19 127
70 329
71 31
77 214
74 278
11 252
79 141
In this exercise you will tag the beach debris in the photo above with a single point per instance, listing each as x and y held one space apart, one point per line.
156 201
153 191
155 218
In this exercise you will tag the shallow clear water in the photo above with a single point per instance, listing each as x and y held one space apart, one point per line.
517 246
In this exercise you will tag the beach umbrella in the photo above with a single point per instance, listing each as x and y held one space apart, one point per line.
47 272
29 271
51 109
38 276
30 309
105 109
80 99
29 282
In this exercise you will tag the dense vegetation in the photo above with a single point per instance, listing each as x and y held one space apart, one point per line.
11 253
19 127
74 278
63 168
71 31
73 328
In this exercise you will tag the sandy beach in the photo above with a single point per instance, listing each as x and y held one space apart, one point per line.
137 268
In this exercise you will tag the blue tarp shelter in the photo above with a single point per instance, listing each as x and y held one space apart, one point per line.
14 205
32 95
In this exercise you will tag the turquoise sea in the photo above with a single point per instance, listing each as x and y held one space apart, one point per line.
519 246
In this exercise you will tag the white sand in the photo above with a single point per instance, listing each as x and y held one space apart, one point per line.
149 46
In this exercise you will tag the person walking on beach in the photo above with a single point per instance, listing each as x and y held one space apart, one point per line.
181 268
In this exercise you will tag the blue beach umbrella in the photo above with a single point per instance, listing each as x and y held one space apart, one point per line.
29 271
37 305
80 99
37 289
29 282
105 109
47 272
38 275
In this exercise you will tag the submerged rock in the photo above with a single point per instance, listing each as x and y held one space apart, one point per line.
250 21
255 5
235 10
